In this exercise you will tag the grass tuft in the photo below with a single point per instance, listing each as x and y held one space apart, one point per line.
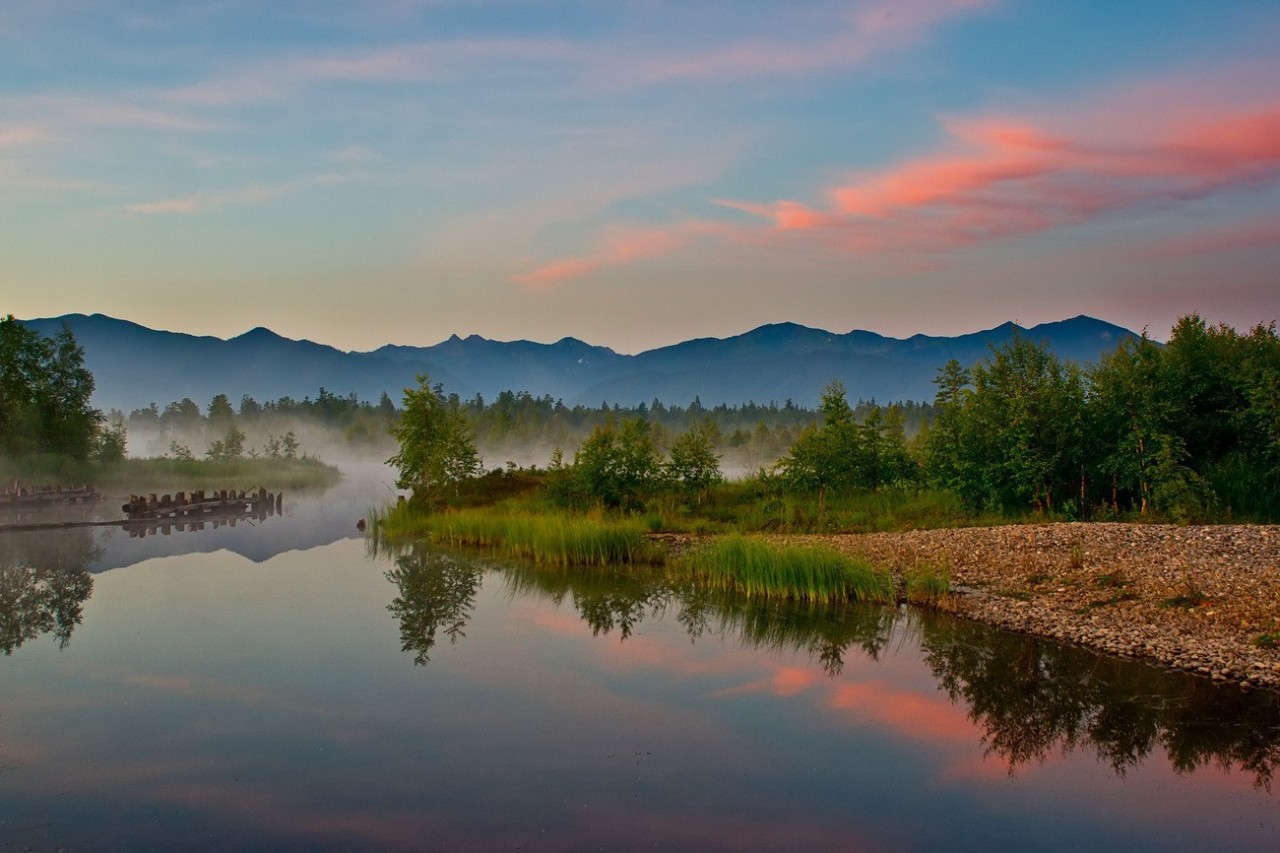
753 567
555 539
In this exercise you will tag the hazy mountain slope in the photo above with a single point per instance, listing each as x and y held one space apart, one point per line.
135 365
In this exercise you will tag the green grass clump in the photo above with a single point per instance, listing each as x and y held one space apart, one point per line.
926 583
753 567
556 539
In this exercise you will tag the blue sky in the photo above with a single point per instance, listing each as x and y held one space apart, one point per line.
637 173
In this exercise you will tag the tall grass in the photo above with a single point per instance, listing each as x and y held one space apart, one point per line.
753 567
555 539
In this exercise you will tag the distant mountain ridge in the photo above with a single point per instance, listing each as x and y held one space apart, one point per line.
135 366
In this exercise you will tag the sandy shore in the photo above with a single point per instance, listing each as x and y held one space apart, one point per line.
1191 598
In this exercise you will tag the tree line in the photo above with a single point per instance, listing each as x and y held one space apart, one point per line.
1189 429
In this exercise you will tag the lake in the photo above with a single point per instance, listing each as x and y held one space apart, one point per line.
282 685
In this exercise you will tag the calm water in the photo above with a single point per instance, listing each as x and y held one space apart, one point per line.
277 686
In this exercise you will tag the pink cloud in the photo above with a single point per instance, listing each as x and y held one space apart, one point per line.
1004 177
620 247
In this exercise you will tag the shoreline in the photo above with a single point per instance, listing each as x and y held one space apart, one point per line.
1189 598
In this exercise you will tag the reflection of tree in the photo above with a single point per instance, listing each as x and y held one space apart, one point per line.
825 632
437 592
1033 697
44 582
606 600
1030 697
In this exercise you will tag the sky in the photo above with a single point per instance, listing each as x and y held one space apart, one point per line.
635 173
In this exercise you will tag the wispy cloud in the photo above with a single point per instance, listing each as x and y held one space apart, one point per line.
215 199
870 30
1003 177
619 246
21 135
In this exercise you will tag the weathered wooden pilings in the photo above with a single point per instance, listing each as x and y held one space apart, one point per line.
184 505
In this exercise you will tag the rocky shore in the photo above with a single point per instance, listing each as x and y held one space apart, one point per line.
1201 599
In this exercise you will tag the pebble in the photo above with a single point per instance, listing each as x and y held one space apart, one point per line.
1140 591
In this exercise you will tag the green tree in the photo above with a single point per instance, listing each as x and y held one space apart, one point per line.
112 440
44 393
694 465
1132 413
618 466
436 448
832 457
221 412
230 446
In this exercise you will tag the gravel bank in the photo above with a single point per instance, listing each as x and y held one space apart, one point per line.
1192 598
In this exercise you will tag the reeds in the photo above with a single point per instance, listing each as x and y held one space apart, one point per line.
753 567
555 539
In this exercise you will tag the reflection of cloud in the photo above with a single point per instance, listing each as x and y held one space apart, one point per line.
783 681
907 713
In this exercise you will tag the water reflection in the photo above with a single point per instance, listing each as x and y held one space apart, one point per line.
1030 698
44 582
1033 698
437 593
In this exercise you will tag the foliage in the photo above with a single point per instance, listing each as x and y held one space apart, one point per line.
1188 430
44 394
694 466
436 449
230 446
842 455
112 441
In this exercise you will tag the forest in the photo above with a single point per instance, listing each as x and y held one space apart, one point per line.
1184 430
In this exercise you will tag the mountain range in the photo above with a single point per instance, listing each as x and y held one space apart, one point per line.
135 366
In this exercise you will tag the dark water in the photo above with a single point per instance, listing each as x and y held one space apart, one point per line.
278 686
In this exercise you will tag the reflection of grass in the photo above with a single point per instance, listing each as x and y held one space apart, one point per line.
756 568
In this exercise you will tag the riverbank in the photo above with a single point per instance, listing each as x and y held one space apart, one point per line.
1205 599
